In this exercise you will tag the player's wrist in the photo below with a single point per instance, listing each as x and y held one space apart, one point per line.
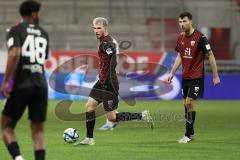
171 74
215 76
5 80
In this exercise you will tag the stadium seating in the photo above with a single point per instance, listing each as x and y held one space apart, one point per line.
69 22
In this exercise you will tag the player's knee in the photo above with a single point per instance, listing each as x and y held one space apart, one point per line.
189 107
7 131
37 134
90 107
37 128
8 123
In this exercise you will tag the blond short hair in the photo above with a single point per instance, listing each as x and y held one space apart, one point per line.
100 20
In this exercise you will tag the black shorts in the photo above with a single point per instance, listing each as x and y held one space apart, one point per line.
106 94
35 98
193 88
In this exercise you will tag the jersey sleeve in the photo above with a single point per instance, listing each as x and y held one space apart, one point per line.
176 48
109 48
204 44
47 49
13 38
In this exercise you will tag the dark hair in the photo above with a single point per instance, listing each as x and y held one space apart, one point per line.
28 7
185 14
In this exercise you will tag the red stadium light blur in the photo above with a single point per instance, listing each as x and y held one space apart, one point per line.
238 2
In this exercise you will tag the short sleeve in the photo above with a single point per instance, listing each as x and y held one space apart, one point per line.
204 44
176 48
13 39
109 48
47 49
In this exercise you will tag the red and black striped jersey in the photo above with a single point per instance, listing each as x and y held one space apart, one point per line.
192 51
107 51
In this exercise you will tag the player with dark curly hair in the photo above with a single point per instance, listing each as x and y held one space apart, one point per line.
27 45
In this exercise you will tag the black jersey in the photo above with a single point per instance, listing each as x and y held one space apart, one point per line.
34 44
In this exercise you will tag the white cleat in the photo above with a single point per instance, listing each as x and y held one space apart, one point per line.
86 141
105 127
146 116
19 158
184 140
108 126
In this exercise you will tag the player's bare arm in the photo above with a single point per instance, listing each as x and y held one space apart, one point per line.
213 64
176 65
12 62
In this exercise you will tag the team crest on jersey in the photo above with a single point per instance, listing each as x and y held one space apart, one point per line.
109 51
196 89
192 43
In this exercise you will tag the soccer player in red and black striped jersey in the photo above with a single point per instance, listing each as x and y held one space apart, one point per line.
192 47
105 91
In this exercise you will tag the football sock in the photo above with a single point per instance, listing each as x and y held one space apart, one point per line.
127 116
186 121
193 120
190 119
40 154
90 123
13 149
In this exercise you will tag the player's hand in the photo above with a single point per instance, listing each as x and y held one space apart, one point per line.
4 89
216 81
169 79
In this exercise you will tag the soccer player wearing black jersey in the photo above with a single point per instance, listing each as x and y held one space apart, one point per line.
27 45
105 90
192 47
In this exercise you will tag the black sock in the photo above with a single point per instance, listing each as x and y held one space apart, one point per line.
13 149
90 123
193 120
40 154
190 118
127 116
186 121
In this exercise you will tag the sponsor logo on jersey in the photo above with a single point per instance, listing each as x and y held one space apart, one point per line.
192 43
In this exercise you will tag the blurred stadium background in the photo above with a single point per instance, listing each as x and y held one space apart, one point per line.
150 25
152 28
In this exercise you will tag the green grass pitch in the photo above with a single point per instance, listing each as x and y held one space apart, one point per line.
217 134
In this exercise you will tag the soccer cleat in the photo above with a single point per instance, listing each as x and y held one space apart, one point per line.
184 140
18 158
146 116
105 127
108 127
86 141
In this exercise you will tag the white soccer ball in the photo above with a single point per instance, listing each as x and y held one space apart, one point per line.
70 135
